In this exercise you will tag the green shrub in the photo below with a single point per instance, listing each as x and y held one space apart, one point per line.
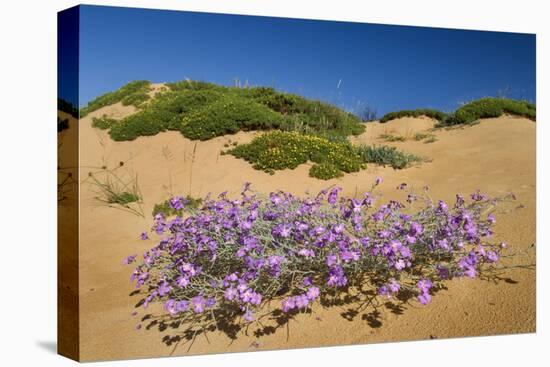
431 139
229 115
103 122
435 114
386 156
490 107
133 93
307 116
202 110
135 99
392 138
164 112
325 171
194 85
280 150
422 136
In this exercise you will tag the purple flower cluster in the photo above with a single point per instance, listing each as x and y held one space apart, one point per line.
239 254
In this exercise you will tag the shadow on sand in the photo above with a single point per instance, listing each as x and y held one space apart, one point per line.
365 305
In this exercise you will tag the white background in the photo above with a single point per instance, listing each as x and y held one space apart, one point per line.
28 179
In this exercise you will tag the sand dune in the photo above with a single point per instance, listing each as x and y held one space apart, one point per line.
497 156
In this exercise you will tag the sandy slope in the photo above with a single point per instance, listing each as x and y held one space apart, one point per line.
497 156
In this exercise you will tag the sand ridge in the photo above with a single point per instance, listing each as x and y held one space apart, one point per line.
496 155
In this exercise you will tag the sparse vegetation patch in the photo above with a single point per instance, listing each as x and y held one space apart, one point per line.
387 156
280 150
435 114
490 107
133 93
103 122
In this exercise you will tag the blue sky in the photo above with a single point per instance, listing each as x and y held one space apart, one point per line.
349 64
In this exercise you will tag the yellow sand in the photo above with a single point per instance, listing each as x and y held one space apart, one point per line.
497 156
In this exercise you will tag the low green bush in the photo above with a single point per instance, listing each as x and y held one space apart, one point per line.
431 139
165 112
422 136
133 93
229 115
392 138
279 150
325 171
103 122
435 114
386 156
490 107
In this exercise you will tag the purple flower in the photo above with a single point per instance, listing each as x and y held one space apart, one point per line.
255 299
163 289
177 203
443 244
301 301
400 264
459 201
182 281
350 255
249 316
424 285
306 252
129 260
198 304
144 236
210 302
182 306
378 181
384 291
230 294
170 307
337 277
394 286
281 230
312 293
389 289
416 229
424 298
333 195
339 228
288 304
478 196
331 259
